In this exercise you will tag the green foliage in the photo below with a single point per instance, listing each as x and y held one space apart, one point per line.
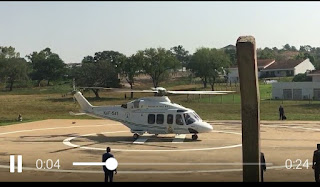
2 70
8 52
232 53
12 67
102 70
302 77
181 54
266 53
130 68
208 64
287 47
293 48
46 65
16 70
156 62
305 55
100 74
305 48
114 57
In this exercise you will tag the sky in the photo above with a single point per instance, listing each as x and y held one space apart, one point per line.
78 29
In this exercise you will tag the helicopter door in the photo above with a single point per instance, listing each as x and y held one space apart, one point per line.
127 116
170 128
179 124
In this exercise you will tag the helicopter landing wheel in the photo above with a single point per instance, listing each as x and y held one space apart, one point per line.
135 136
156 134
194 137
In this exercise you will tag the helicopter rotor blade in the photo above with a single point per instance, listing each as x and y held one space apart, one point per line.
159 90
100 88
137 91
201 92
121 90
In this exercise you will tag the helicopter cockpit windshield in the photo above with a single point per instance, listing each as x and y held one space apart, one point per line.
191 117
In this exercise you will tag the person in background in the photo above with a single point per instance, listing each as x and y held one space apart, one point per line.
263 166
281 112
316 163
20 117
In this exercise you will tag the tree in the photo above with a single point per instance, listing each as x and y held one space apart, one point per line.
181 54
293 48
232 55
8 52
12 67
157 62
99 74
130 68
266 53
303 56
209 64
302 77
287 47
305 48
110 61
313 53
2 66
316 52
16 69
46 65
88 59
114 57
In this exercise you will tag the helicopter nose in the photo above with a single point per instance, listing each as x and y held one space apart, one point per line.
206 127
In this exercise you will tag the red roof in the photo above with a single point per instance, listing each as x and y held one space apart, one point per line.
260 62
264 62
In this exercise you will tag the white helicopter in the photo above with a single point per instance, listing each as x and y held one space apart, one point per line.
153 115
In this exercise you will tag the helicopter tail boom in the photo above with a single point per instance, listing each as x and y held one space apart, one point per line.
84 104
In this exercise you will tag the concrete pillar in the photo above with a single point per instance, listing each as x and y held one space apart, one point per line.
250 107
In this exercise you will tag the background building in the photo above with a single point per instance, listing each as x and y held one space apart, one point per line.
296 90
287 68
233 75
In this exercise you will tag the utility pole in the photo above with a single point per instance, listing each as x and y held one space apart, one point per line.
250 107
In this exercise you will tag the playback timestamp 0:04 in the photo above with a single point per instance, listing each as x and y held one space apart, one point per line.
48 164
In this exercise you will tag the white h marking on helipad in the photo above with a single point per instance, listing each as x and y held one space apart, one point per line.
179 138
141 140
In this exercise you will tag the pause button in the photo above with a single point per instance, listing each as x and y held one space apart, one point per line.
12 163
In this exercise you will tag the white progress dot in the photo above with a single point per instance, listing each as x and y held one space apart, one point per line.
111 163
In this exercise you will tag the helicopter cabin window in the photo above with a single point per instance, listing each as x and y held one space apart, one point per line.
179 120
169 119
197 116
136 104
189 118
160 118
124 106
151 118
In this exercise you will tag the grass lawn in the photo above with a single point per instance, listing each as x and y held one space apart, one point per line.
48 103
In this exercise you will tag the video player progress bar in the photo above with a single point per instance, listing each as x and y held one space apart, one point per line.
168 164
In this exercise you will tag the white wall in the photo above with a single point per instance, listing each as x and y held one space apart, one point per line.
307 88
233 75
303 67
316 78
